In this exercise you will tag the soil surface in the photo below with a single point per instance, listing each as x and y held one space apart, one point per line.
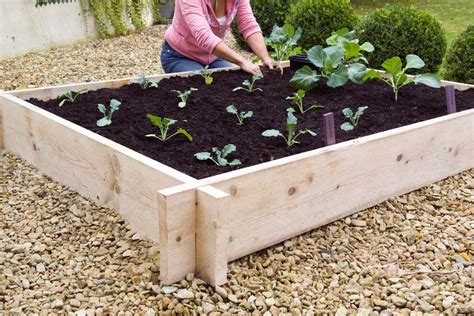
206 119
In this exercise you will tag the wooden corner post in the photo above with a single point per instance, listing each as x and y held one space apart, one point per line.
177 218
212 235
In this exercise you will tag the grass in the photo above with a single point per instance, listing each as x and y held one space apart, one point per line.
454 15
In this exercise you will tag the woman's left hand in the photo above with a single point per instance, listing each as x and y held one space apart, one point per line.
270 63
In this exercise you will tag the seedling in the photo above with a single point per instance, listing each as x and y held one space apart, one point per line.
298 98
204 72
220 156
70 96
164 125
145 83
283 40
241 116
183 96
352 50
249 84
107 119
292 133
352 117
396 75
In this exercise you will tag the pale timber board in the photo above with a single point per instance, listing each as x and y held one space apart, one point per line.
98 168
277 200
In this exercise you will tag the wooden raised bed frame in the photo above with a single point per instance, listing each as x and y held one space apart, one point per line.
201 225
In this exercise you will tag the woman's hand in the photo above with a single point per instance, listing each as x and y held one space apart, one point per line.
270 63
249 67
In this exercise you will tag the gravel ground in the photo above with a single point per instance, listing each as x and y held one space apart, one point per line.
60 253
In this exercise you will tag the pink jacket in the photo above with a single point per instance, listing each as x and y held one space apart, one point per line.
195 31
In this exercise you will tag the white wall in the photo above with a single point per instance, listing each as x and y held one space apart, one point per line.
25 28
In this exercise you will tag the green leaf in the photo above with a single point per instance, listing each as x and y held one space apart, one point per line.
154 84
115 104
155 120
62 102
102 108
229 148
347 112
208 80
231 109
271 133
317 56
104 122
361 110
167 121
347 127
413 61
393 65
428 79
238 88
235 162
338 78
357 73
182 104
372 74
304 79
368 47
291 118
334 57
185 133
351 50
202 155
248 114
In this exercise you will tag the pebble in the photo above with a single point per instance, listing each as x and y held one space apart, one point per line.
169 289
40 268
57 304
448 301
184 294
74 303
358 223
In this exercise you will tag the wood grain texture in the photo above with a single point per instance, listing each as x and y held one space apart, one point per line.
212 235
108 173
277 200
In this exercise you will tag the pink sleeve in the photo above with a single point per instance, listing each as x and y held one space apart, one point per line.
246 20
194 16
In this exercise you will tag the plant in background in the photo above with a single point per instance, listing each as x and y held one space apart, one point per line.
241 116
283 40
249 84
397 77
206 74
136 12
70 96
164 125
352 117
292 132
399 30
319 18
220 156
460 58
184 96
107 119
145 83
298 99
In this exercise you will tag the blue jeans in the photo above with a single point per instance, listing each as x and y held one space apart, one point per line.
172 61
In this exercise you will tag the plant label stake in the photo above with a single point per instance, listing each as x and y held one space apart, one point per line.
450 99
329 132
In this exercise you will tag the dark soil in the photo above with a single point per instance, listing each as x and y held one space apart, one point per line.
206 119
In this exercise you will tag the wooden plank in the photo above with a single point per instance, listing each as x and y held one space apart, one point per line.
177 216
212 235
277 200
94 166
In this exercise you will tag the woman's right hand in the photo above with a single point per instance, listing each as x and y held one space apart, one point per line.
249 67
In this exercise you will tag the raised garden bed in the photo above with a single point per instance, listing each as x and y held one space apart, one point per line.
278 192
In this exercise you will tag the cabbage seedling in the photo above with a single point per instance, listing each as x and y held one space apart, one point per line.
70 96
298 98
107 119
292 133
396 74
183 96
204 72
164 125
352 117
220 156
249 84
145 83
241 116
283 40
